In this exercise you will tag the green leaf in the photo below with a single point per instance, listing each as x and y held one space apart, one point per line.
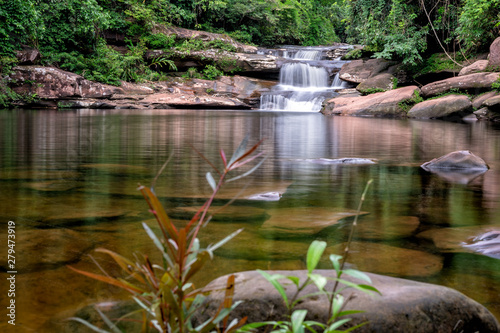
297 320
211 181
273 279
295 280
319 280
89 325
337 324
335 259
224 241
357 274
314 254
240 151
158 243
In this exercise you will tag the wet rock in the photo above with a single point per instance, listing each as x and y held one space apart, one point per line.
52 83
478 66
473 83
384 229
267 196
445 107
453 239
494 57
222 214
487 243
358 71
402 305
385 259
457 160
302 221
46 249
380 82
378 104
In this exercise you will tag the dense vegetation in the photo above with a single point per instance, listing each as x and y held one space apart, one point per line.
70 33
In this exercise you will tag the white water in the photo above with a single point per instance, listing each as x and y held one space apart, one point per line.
338 83
303 84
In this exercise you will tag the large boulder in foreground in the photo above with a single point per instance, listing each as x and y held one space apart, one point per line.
444 107
380 104
461 159
402 306
474 83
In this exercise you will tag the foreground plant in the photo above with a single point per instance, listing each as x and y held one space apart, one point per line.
164 292
296 322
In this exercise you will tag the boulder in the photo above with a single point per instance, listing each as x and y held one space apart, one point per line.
52 83
185 101
378 104
402 305
27 56
457 160
358 71
473 83
380 82
494 58
478 66
492 103
443 107
477 102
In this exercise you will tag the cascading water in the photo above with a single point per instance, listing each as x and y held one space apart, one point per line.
304 82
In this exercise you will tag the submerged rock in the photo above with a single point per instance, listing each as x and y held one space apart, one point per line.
222 214
402 305
345 160
389 228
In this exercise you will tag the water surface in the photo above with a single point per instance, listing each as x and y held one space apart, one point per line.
69 180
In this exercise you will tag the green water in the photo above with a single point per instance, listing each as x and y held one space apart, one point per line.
69 182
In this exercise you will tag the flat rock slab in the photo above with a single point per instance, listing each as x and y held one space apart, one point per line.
173 100
222 214
444 107
390 228
55 186
46 249
378 104
390 260
474 83
302 221
402 306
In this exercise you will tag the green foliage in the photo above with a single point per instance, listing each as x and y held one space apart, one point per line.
21 24
435 63
211 72
164 292
353 54
479 23
408 104
159 41
192 73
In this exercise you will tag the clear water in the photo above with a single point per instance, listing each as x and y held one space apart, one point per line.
69 182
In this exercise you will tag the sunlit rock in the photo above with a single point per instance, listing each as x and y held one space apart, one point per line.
402 305
302 221
390 260
386 228
230 213
46 249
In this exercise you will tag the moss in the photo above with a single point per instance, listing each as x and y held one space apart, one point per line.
409 103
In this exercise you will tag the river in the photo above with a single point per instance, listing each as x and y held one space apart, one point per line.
69 183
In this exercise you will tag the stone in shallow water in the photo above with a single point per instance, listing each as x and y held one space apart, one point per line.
453 239
302 221
402 305
46 249
390 260
457 160
389 228
55 186
11 174
118 168
342 161
222 214
79 216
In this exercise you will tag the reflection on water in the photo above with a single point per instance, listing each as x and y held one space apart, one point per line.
69 182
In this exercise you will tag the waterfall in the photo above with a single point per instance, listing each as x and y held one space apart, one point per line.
303 83
338 83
